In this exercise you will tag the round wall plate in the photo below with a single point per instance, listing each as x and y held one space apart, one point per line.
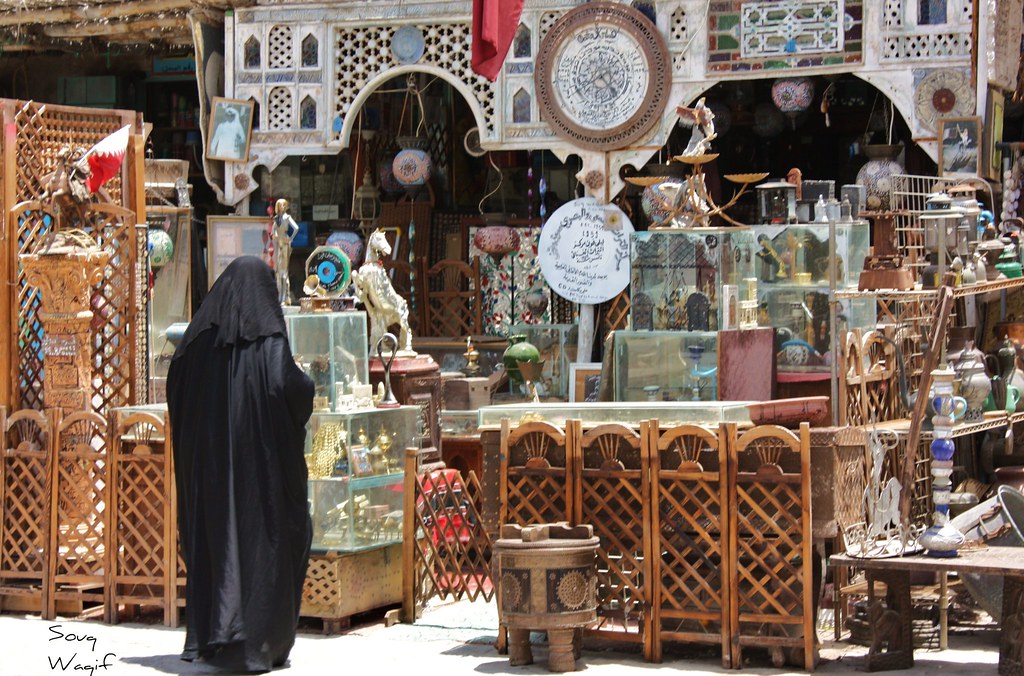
603 75
407 45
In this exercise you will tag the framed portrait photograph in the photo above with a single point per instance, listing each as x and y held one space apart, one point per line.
584 381
229 237
230 129
960 146
993 157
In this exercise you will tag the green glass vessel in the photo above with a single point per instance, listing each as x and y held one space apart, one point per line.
518 350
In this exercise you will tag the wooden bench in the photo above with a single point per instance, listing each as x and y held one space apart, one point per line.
892 625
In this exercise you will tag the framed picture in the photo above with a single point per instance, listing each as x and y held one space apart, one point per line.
993 158
584 381
230 128
229 237
359 461
960 146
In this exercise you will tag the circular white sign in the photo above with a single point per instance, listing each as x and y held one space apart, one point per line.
584 251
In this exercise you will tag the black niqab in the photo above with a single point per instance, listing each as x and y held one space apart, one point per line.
238 406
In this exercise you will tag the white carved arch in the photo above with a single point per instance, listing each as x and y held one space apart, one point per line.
349 122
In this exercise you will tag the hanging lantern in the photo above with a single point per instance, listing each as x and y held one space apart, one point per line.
793 95
876 174
496 240
366 203
768 121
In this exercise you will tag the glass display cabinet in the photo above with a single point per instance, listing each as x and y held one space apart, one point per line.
356 463
678 274
331 348
667 413
664 366
793 268
557 345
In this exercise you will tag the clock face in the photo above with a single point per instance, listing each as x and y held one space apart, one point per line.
943 92
602 79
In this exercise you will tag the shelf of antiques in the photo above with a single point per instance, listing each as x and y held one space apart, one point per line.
355 461
679 276
331 349
557 346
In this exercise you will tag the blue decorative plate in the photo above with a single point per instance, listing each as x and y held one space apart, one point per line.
331 267
407 45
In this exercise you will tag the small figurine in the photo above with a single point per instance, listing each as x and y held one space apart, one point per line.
702 120
472 368
285 230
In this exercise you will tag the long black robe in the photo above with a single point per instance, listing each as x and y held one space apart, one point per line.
238 406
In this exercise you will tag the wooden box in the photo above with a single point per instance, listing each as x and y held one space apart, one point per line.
466 394
338 586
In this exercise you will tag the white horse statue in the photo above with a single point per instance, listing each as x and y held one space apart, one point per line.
374 290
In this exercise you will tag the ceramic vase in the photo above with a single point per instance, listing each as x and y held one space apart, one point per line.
876 174
161 248
518 350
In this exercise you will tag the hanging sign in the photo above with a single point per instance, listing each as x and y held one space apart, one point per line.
584 251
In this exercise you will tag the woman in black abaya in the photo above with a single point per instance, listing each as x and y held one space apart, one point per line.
238 406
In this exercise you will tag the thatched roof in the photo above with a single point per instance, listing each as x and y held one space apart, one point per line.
79 24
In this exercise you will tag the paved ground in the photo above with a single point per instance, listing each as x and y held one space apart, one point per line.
450 639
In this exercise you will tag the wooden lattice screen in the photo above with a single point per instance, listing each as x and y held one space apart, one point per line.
770 545
535 483
78 510
691 531
446 549
24 509
40 132
451 299
615 497
145 565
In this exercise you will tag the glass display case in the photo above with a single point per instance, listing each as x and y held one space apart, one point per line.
356 462
678 274
799 253
667 413
664 366
459 423
557 345
331 348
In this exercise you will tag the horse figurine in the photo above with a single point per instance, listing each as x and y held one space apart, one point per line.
374 290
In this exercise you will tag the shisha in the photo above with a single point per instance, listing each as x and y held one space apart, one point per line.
692 204
701 377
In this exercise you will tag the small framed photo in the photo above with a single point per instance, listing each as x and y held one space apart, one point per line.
993 158
359 461
230 129
960 146
584 381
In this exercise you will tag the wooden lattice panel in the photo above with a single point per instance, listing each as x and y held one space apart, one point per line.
691 527
452 304
615 316
451 558
145 565
770 545
534 484
614 496
40 133
78 530
24 513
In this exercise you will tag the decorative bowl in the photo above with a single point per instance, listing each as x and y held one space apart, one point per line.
790 412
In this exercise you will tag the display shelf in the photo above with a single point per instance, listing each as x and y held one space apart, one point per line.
356 474
927 294
331 348
992 420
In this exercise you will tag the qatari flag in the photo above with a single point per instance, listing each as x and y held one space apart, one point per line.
494 26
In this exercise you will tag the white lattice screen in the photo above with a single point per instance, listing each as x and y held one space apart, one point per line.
279 109
279 48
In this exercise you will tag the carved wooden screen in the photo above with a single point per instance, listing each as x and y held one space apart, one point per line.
614 496
447 551
770 545
691 533
451 299
24 511
78 523
144 558
535 485
40 132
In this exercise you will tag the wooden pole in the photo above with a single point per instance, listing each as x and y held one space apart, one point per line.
409 537
8 250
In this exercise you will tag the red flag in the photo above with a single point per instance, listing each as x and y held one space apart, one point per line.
494 26
105 158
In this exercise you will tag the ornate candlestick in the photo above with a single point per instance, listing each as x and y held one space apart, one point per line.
389 340
472 355
942 538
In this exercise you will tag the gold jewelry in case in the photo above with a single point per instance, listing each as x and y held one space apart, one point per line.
328 448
